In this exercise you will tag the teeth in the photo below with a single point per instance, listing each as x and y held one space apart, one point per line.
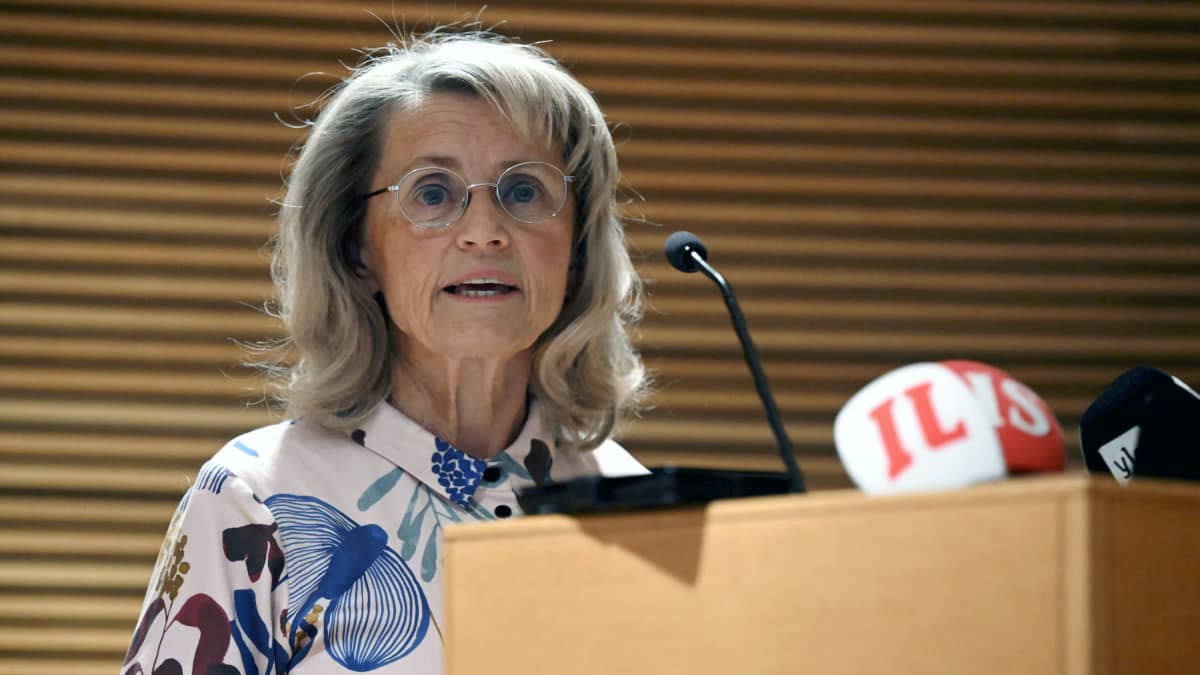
477 294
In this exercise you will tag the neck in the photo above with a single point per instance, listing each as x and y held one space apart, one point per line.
478 405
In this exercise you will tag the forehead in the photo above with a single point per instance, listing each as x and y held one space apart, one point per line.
466 132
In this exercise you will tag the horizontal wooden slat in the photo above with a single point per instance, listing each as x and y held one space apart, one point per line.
812 372
751 186
930 249
763 310
80 544
180 223
47 607
68 252
146 190
142 515
144 351
139 286
824 155
78 640
57 666
107 158
700 433
1008 9
1018 9
795 280
143 415
567 20
318 73
901 125
1161 347
97 478
80 381
978 95
776 218
48 444
190 322
76 575
147 126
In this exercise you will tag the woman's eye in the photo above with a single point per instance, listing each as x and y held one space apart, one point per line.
523 193
431 195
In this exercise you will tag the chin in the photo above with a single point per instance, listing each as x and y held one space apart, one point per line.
487 345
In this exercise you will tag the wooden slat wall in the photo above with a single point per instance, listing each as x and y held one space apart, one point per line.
883 182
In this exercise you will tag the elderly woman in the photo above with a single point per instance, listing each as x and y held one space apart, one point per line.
452 273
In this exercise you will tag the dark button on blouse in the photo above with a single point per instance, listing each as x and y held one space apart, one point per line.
503 511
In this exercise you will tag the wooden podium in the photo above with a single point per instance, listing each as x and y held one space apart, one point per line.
1061 574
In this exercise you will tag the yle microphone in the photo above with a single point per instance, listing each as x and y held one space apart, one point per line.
1143 424
687 253
932 426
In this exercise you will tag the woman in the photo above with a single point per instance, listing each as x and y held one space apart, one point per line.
453 276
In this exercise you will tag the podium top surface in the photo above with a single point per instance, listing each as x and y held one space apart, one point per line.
1021 489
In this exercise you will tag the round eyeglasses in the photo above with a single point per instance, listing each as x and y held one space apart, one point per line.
433 197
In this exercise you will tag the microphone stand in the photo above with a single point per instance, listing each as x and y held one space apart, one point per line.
750 352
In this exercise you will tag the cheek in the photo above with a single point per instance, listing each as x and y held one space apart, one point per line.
552 259
403 268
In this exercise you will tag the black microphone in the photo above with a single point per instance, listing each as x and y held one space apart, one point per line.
687 253
1143 424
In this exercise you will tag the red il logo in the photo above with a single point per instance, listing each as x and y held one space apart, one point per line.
1028 432
936 435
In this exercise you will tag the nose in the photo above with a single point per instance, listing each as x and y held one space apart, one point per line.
482 224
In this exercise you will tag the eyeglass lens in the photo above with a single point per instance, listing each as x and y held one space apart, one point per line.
530 192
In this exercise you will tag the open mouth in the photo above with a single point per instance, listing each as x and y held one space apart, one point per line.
480 288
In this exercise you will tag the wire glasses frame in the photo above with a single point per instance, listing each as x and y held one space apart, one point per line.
435 198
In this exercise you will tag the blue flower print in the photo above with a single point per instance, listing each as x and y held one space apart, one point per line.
457 472
377 611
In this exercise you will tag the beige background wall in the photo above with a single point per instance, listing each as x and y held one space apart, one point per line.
883 182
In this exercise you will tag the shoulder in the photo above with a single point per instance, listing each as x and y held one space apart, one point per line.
614 460
607 459
287 456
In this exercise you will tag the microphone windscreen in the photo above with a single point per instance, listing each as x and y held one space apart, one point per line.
1029 433
677 251
917 428
1142 424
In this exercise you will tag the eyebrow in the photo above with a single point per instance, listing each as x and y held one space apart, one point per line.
448 162
435 160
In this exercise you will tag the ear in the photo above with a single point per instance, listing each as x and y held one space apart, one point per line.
356 257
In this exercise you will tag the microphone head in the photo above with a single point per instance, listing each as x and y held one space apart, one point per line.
679 249
917 428
1029 434
1141 425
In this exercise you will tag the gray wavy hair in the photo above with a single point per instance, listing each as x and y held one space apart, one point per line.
586 374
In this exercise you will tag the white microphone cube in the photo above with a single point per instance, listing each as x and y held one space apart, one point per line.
914 429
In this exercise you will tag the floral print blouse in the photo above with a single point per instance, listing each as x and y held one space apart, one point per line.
302 550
